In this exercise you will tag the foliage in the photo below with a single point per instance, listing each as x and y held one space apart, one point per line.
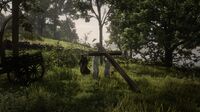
68 30
29 36
66 90
49 23
41 96
98 9
43 18
157 26
4 5
63 57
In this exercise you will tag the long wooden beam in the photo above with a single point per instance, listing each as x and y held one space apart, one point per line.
97 53
133 86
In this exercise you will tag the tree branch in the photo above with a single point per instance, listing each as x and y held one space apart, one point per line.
155 25
3 4
190 40
92 10
106 16
99 10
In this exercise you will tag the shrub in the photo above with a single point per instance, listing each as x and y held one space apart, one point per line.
63 57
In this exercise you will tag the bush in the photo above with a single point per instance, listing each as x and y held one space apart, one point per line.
63 57
30 36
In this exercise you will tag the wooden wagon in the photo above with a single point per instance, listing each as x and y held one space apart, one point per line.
24 68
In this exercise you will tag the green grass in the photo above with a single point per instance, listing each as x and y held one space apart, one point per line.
64 89
65 44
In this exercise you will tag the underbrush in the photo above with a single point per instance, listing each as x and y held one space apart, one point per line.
64 89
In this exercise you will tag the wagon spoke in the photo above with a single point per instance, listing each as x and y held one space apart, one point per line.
37 71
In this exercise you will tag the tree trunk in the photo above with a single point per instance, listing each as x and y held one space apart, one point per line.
168 57
54 28
41 29
131 53
41 26
15 26
101 38
101 34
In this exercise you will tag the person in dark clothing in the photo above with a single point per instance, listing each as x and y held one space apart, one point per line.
83 65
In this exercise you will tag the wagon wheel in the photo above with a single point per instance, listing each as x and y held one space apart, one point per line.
36 71
19 75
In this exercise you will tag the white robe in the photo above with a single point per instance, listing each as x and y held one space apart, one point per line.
95 66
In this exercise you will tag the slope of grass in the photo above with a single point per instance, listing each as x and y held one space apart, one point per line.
64 89
65 44
29 37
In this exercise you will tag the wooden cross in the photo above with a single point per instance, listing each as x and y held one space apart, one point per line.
133 86
97 53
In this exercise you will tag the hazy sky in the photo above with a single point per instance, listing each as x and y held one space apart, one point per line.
90 28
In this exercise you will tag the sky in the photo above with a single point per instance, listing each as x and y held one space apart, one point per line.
91 29
88 28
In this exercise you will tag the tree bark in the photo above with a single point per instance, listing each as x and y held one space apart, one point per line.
131 53
101 39
168 57
41 25
101 34
54 28
15 26
41 29
99 18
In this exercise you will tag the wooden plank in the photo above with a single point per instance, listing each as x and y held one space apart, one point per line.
97 53
133 86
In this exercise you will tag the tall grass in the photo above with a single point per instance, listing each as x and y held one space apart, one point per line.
64 89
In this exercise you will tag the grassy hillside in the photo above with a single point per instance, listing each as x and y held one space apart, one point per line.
64 89
65 44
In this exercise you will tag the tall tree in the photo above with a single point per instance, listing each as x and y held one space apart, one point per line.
46 21
98 9
4 5
57 9
68 30
39 16
171 24
18 8
15 25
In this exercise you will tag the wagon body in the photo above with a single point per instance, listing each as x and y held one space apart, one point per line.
30 66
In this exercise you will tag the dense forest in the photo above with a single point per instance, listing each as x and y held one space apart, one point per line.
153 67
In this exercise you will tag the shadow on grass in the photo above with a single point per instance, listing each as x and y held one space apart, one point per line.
170 95
64 91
